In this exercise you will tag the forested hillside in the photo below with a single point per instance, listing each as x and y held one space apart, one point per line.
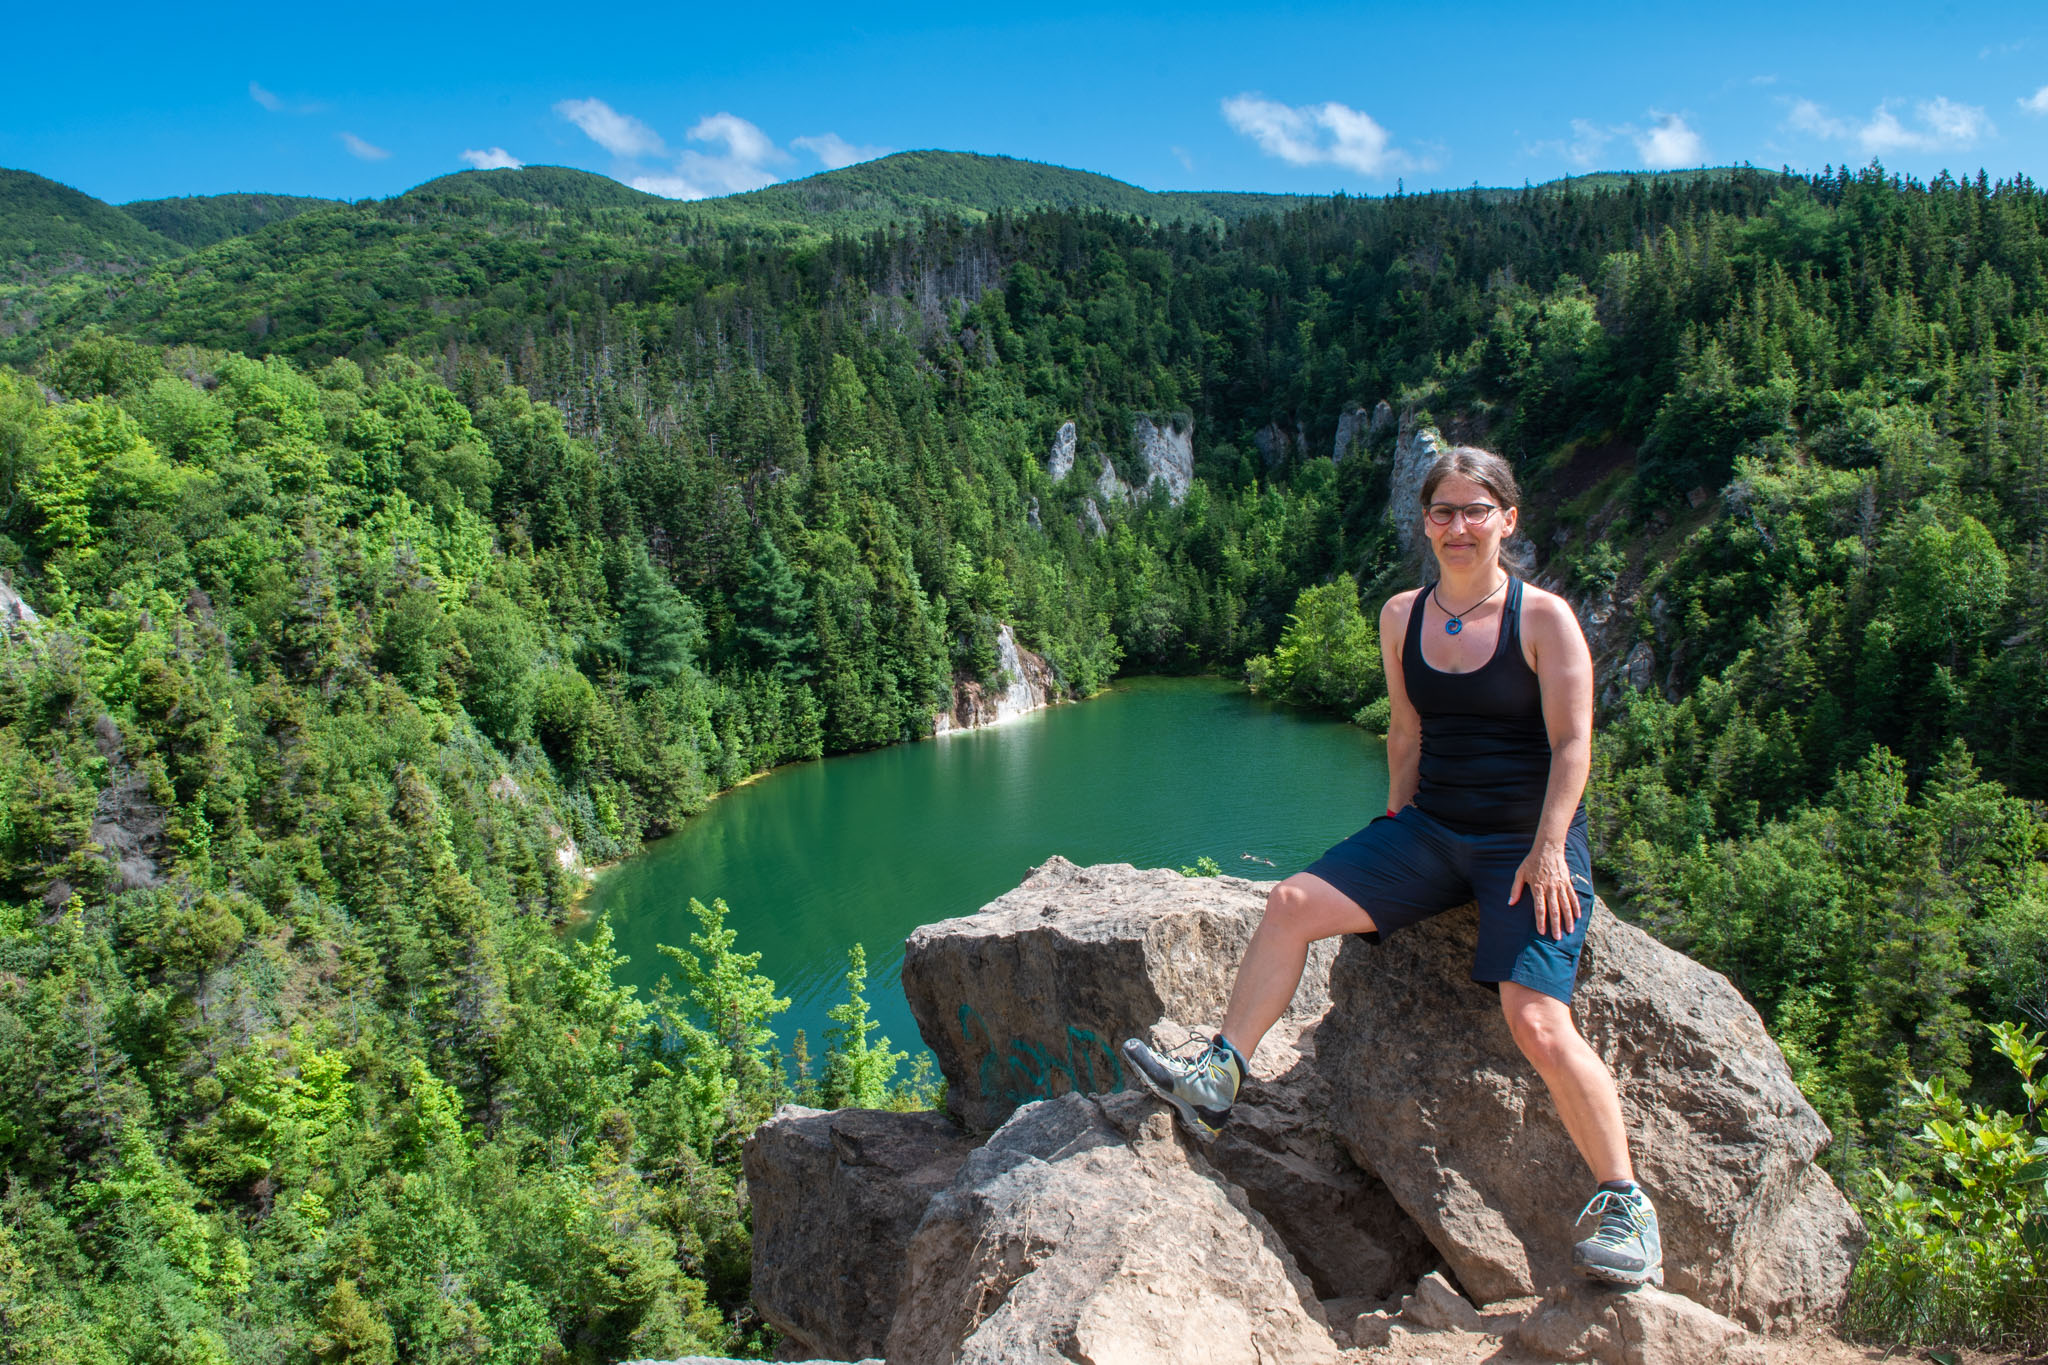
392 559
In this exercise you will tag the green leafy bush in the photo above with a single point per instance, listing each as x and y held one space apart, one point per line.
1963 1256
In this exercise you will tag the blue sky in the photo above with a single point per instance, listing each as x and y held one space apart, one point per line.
372 98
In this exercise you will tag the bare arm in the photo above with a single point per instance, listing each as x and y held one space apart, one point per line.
1564 671
1404 727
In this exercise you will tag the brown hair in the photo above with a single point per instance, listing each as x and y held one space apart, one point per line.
1490 472
1483 467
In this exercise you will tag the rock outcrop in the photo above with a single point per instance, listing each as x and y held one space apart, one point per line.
1168 452
837 1196
1109 485
1031 686
1276 443
1059 459
1415 450
1389 1120
1354 428
1092 1229
1461 1129
1091 518
16 615
1030 997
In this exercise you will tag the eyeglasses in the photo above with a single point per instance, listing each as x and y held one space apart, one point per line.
1475 513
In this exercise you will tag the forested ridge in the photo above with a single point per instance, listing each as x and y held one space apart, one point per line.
392 560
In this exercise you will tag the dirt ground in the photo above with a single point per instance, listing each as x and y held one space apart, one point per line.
1422 1346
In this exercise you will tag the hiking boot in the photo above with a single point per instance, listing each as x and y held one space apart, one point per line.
1625 1249
1201 1087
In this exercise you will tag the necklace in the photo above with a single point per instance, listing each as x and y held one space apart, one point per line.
1455 622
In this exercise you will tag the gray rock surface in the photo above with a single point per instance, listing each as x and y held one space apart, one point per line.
1344 1227
1091 518
1033 996
1382 417
1168 452
1644 1326
1108 486
1641 668
15 614
1354 428
1030 686
1276 442
1059 459
1090 1229
1435 1304
1415 450
836 1197
1431 1094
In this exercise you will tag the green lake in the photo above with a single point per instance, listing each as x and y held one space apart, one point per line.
866 847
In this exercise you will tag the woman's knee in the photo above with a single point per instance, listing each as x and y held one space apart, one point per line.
1308 908
1542 1026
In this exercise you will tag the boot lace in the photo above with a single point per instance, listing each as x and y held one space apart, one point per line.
1620 1219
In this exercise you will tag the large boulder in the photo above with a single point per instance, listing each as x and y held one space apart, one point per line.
1032 997
836 1196
1343 1225
1430 1093
1091 1229
1581 1322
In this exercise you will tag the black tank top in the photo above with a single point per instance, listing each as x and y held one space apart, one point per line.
1485 760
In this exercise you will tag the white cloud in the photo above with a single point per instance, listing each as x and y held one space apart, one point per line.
265 98
492 159
667 186
1313 134
744 143
2037 102
1668 143
620 134
1938 124
361 150
701 175
1180 154
834 151
1589 139
1808 117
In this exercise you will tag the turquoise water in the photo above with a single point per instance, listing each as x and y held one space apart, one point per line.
866 847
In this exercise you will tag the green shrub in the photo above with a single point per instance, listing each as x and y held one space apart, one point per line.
1964 1257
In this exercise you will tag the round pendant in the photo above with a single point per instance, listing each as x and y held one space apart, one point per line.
1453 626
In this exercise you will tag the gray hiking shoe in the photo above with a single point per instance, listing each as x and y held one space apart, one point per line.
1625 1249
1201 1087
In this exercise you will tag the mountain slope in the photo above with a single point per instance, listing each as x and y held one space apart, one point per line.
49 227
197 220
559 187
909 186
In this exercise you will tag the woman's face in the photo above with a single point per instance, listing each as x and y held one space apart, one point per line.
1464 545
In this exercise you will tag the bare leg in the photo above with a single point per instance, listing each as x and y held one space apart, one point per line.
1299 911
1579 1081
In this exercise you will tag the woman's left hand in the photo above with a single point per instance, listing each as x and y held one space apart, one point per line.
1548 878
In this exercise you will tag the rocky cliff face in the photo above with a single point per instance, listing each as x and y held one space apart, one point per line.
1031 686
1059 460
1168 452
1390 1127
1415 450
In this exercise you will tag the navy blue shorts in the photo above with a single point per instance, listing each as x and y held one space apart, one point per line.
1401 869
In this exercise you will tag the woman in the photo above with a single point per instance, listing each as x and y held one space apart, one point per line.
1487 755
